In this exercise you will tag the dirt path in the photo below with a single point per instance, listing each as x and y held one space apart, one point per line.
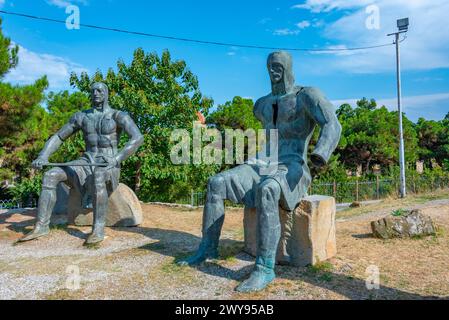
137 263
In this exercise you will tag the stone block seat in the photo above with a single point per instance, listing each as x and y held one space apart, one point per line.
307 236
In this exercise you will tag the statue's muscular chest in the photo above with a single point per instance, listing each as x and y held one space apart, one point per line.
99 129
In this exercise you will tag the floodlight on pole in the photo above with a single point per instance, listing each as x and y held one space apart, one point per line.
402 25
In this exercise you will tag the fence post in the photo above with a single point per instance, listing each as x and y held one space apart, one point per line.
192 199
377 187
357 190
335 189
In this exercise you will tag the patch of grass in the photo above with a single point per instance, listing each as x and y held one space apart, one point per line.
93 246
322 270
327 277
172 268
228 252
399 212
321 267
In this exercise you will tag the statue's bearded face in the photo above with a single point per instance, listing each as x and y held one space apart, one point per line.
276 72
98 95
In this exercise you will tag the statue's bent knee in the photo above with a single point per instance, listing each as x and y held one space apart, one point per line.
269 191
52 178
216 186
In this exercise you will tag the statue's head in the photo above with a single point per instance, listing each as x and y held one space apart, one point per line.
280 68
99 93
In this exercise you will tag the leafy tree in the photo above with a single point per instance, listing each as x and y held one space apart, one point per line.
433 140
161 95
23 123
235 114
370 136
24 126
8 54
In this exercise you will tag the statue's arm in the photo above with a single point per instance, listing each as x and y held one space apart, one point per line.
135 136
53 144
323 112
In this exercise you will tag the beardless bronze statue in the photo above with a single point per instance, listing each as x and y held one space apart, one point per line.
294 112
96 174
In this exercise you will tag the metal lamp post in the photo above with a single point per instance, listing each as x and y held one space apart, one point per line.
403 28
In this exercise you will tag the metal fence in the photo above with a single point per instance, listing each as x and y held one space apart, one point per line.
357 190
7 204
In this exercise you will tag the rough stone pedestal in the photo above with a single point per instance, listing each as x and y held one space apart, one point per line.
308 233
124 208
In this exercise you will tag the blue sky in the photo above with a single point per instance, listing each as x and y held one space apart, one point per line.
225 72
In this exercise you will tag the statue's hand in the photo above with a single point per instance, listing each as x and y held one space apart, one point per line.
38 164
317 161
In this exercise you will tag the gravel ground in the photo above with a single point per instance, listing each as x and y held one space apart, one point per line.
137 263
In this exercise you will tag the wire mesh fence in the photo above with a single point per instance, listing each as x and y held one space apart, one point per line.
8 204
355 191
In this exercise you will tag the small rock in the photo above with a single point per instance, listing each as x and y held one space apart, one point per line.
411 224
355 204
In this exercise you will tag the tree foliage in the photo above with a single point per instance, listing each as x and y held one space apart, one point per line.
8 54
370 136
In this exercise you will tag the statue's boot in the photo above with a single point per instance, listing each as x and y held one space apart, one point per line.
268 235
213 219
94 238
39 231
97 234
208 248
100 210
47 200
262 275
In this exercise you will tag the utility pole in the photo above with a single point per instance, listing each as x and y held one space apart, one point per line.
403 28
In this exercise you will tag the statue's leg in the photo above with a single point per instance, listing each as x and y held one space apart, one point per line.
268 235
100 204
213 218
47 201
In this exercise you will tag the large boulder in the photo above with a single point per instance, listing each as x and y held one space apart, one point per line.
124 209
307 234
409 224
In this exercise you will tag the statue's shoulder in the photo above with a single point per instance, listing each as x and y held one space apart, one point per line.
311 95
78 117
309 92
120 116
259 105
262 101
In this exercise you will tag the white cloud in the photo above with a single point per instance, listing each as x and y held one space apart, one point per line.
303 24
426 47
66 3
33 66
317 6
432 107
285 32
